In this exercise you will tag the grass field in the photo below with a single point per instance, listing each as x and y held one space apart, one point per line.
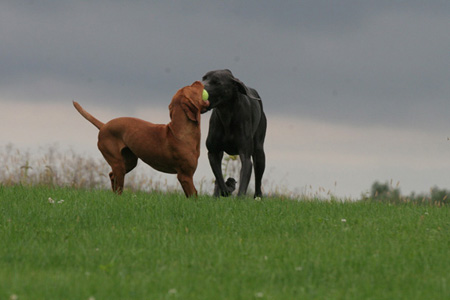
95 245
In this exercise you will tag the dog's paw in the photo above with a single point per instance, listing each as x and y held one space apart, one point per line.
231 184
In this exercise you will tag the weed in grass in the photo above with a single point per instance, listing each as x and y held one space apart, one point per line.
54 168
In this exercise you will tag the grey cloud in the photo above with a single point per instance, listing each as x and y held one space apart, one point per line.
357 62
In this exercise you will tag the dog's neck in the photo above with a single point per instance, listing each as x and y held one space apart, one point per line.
185 130
226 113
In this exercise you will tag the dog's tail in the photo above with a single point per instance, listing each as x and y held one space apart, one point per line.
88 116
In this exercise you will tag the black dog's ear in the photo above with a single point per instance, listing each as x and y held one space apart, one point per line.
243 89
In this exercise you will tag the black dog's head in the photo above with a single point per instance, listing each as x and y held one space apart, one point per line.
223 88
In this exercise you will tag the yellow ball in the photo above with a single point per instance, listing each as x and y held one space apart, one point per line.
205 95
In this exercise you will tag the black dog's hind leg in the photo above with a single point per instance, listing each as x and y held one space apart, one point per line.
246 173
259 157
259 160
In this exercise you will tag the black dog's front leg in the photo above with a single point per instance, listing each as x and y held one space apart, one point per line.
215 160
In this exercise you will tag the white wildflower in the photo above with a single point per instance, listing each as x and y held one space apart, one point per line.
259 295
60 201
172 291
50 200
343 220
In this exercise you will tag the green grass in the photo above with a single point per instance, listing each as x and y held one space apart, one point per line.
96 245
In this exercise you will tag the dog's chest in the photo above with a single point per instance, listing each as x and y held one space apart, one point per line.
233 122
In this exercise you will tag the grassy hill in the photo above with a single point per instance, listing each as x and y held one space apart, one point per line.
62 243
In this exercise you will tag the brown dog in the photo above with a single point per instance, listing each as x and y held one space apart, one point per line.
173 148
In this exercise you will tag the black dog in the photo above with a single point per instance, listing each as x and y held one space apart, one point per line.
238 127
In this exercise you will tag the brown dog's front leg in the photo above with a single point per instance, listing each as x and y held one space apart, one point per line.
187 183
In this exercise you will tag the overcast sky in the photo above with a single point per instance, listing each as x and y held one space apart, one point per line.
354 91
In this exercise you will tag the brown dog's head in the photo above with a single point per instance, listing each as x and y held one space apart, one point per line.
190 100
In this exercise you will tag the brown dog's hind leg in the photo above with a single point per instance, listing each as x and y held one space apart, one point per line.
121 162
129 158
187 184
114 184
117 177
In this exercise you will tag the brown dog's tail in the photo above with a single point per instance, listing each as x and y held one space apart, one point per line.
88 116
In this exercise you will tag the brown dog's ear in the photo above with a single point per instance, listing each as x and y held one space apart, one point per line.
197 84
170 110
191 111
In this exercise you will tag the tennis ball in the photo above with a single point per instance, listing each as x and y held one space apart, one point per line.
205 95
